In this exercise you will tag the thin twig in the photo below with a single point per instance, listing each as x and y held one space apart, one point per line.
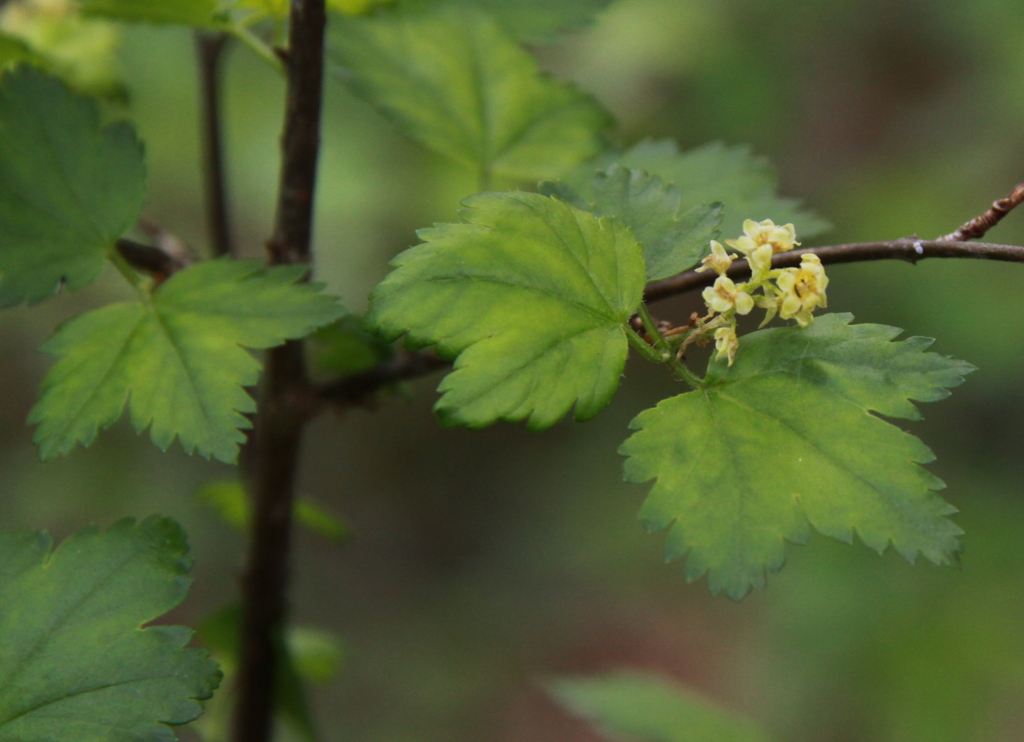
210 52
272 455
168 242
359 388
909 249
356 389
977 227
152 260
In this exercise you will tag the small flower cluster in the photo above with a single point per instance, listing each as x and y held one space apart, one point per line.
792 293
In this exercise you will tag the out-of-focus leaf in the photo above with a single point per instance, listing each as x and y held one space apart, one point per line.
785 438
345 347
532 20
319 521
317 654
12 51
647 708
450 78
230 501
69 188
180 358
734 176
531 294
74 662
308 656
200 13
80 51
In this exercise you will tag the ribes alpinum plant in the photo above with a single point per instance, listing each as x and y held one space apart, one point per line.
529 305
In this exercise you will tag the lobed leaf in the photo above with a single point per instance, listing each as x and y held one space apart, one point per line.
180 357
200 13
450 78
672 242
715 172
74 662
531 294
69 188
647 708
785 437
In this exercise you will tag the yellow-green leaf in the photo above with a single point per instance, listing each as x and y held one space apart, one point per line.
180 358
531 294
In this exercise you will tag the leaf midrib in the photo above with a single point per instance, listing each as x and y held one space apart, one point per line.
886 497
556 342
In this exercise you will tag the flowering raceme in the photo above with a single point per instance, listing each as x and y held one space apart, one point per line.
792 293
802 289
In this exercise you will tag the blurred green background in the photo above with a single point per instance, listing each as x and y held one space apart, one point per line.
483 562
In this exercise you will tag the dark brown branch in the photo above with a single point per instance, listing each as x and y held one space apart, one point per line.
360 388
272 455
976 228
210 52
149 259
909 249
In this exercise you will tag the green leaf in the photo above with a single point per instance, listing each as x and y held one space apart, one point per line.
306 656
534 20
314 518
672 242
179 357
785 437
317 655
13 50
647 708
539 20
68 187
450 78
201 13
733 176
81 51
231 502
531 294
74 664
344 347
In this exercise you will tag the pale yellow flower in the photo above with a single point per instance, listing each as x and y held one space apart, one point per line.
718 261
726 343
760 259
802 290
724 295
781 238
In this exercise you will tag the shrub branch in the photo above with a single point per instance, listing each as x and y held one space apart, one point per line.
271 458
210 54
